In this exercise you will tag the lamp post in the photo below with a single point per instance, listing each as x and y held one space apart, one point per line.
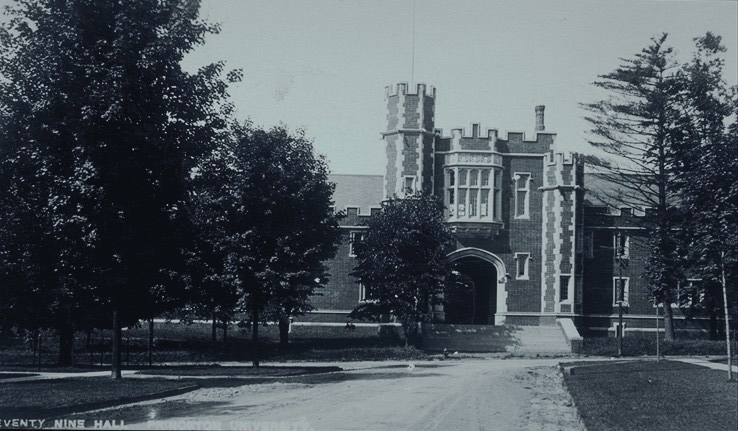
621 292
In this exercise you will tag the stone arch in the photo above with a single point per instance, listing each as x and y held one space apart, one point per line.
499 265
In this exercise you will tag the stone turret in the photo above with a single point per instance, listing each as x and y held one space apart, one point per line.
409 140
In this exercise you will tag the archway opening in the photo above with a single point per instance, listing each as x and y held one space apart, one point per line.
475 305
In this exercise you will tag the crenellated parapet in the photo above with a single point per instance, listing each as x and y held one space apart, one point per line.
495 140
624 217
354 217
567 158
563 170
401 89
409 139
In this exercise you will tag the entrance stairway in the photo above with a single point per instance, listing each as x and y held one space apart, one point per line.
517 340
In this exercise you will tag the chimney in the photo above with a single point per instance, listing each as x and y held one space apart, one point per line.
539 118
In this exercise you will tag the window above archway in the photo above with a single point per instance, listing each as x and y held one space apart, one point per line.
476 196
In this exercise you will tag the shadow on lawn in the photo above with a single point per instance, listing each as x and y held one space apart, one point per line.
158 411
236 371
174 409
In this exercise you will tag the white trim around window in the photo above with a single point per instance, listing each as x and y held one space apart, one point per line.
522 266
353 237
362 294
409 185
616 293
521 195
621 245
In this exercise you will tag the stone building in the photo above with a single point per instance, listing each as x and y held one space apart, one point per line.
537 244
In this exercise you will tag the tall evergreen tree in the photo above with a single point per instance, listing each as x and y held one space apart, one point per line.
707 173
636 126
95 102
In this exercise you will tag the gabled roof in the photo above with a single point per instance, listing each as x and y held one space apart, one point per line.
357 191
602 191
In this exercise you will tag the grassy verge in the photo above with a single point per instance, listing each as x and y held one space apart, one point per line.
236 371
638 345
654 396
193 347
360 353
38 399
16 375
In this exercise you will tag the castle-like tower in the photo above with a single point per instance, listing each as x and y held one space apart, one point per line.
409 140
536 251
510 201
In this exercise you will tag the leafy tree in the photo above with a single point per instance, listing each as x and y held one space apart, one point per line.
94 99
401 261
637 127
264 205
210 292
707 172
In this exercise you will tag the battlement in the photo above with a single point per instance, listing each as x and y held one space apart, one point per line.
504 135
354 217
402 88
475 132
567 158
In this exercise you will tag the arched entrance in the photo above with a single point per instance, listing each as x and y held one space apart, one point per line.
478 305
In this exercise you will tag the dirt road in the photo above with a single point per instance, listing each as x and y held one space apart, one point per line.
489 394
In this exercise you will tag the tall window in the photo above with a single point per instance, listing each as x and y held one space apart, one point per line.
689 293
621 245
484 203
462 203
522 192
497 198
619 284
521 272
473 193
409 186
365 295
354 238
564 288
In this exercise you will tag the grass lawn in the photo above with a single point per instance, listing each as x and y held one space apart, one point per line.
236 371
14 375
649 395
37 399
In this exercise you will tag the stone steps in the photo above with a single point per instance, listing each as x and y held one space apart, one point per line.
529 340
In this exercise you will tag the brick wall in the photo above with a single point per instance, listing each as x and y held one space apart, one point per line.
524 235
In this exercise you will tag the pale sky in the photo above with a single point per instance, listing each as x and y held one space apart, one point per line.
323 65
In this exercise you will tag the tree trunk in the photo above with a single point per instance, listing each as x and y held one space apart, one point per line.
255 338
115 366
36 343
151 342
225 334
714 335
727 315
214 330
284 330
669 334
38 349
88 343
66 340
66 347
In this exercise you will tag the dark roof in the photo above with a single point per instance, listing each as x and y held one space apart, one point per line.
600 191
362 191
